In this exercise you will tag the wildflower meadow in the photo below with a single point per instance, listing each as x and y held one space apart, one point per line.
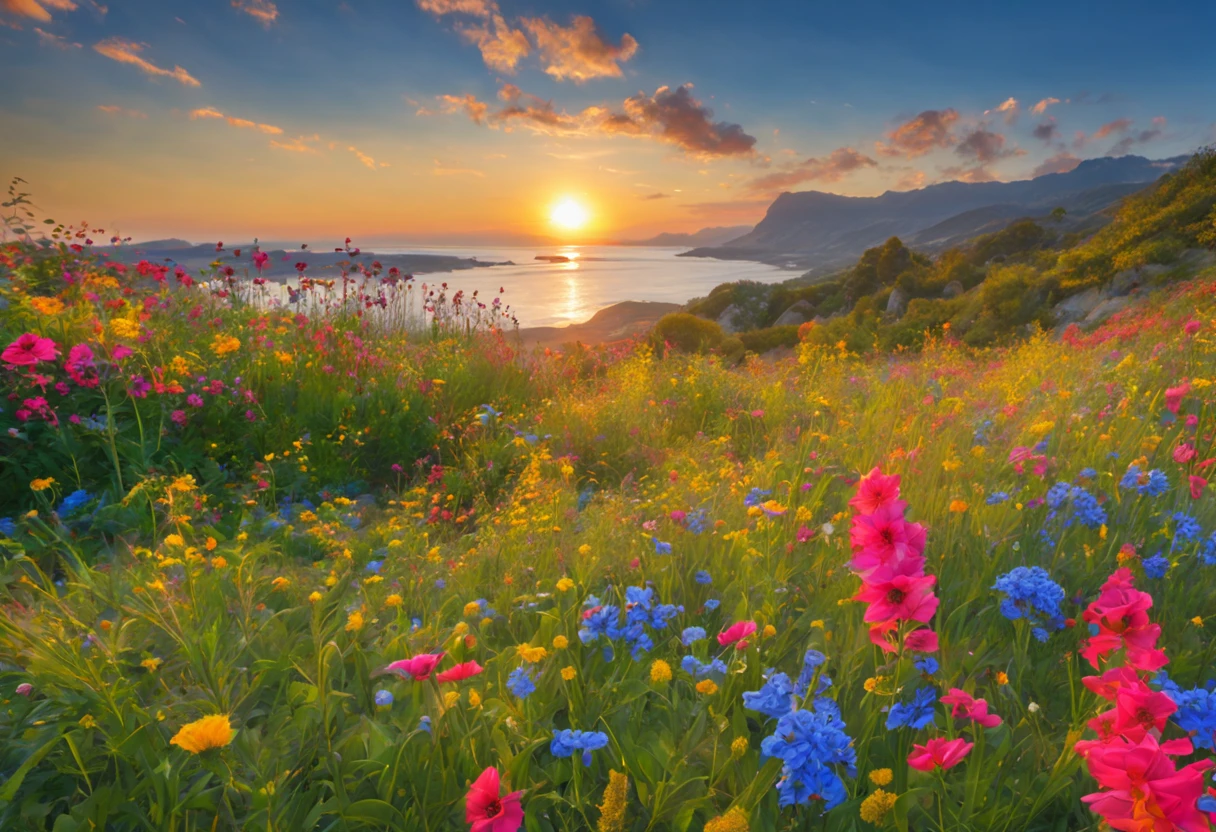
357 559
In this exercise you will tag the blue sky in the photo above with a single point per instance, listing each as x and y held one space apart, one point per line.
424 116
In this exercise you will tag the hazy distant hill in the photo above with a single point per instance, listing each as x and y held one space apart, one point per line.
817 230
705 237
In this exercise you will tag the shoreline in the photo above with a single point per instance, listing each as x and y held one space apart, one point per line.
616 322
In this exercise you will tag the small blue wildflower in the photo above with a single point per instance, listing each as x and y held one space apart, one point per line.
755 497
1031 594
774 699
809 742
661 548
566 741
384 698
74 501
440 583
520 683
7 527
928 665
424 724
692 635
996 498
697 521
1186 528
915 714
373 566
1156 566
712 604
704 578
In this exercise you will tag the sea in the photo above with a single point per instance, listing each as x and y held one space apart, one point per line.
556 294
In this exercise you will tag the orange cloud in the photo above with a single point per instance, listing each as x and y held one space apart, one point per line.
578 52
669 116
836 166
478 8
244 123
300 144
911 181
502 47
50 39
264 11
115 110
920 135
1119 125
1062 162
368 161
978 173
127 52
1041 107
37 9
1009 108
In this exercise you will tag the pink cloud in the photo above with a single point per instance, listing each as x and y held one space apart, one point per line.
127 52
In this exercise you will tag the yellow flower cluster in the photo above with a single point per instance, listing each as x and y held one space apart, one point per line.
616 796
874 808
224 344
124 328
532 655
204 734
47 306
734 820
660 671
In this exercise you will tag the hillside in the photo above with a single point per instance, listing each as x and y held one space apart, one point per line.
821 231
1048 271
705 237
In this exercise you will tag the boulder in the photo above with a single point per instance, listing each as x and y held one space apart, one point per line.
1105 309
953 289
728 320
897 303
1074 309
798 313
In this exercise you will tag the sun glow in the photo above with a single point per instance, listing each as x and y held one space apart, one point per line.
569 215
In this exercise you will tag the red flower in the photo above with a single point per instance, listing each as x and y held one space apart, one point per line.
28 350
1173 396
459 673
939 753
418 668
1197 486
485 811
736 632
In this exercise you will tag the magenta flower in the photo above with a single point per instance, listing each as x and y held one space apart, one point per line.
735 633
28 350
939 753
139 387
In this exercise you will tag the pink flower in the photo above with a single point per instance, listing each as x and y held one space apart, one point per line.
260 259
459 673
485 811
885 538
939 753
418 668
1191 327
1120 614
194 400
1145 791
28 350
902 597
736 632
179 417
1184 453
879 635
121 351
923 640
874 491
1197 486
1173 396
968 707
24 689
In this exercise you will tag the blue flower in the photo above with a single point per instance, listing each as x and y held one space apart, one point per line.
755 497
809 744
1156 566
704 578
1186 528
928 665
566 741
812 660
661 548
697 521
424 724
384 698
373 566
997 497
1087 474
440 583
7 527
694 667
1207 554
691 635
712 604
1032 594
1196 712
520 683
1152 484
915 714
76 500
1207 803
775 699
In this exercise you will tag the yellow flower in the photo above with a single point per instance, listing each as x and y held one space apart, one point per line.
957 506
738 747
584 549
1197 621
870 684
42 484
354 621
769 631
560 642
660 671
881 776
152 664
47 306
280 583
531 654
612 810
734 820
203 734
218 562
564 585
874 809
474 698
707 687
394 600
471 609
175 540
1002 678
451 698
314 597
211 544
87 721
460 629
817 624
124 328
568 673
224 344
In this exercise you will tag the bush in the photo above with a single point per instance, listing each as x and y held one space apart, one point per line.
686 333
763 340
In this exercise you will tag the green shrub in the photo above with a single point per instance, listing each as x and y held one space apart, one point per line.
686 332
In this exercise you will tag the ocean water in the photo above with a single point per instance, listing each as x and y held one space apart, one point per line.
556 294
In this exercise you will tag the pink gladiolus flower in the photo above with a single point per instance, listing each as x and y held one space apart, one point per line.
1121 615
1197 485
1184 453
1173 396
485 811
923 640
1112 681
736 632
874 491
1192 327
883 538
459 673
418 668
121 351
939 753
1144 789
1138 710
968 707
28 350
879 635
902 597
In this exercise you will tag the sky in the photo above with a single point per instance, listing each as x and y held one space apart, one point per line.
437 120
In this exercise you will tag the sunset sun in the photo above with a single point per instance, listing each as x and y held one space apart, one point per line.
569 215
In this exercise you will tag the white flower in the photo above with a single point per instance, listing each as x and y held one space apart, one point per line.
828 528
1033 707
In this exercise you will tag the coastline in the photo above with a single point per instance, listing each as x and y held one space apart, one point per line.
618 322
